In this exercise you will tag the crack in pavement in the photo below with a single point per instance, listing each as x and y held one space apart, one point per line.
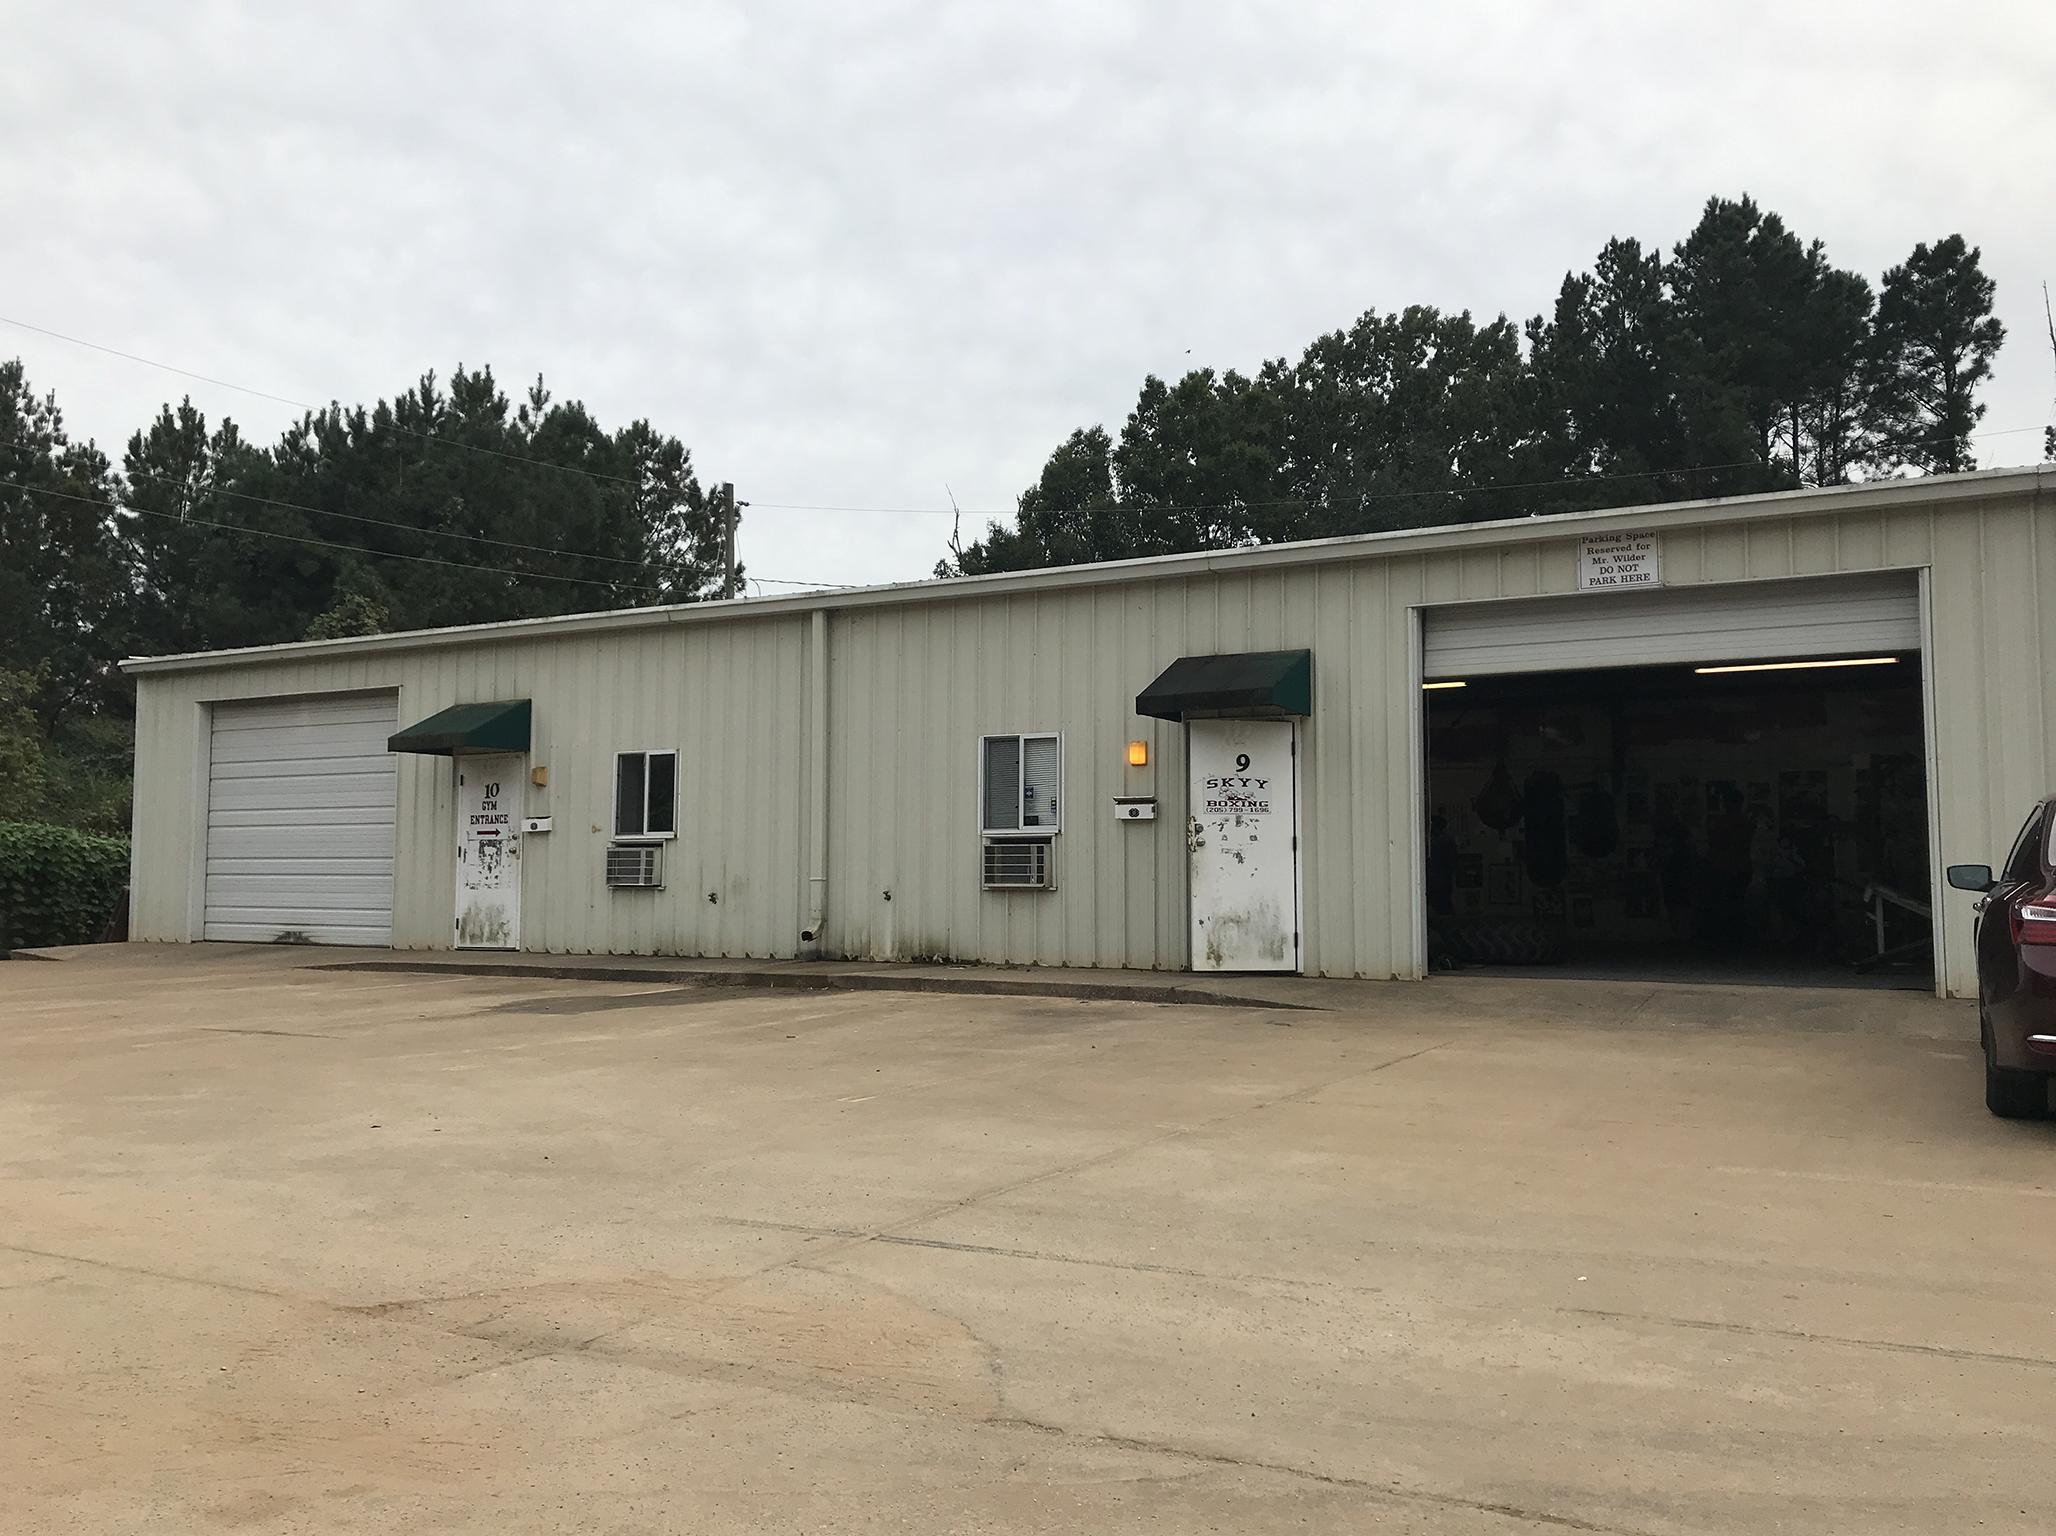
287 1034
1396 1491
843 1241
852 1238
857 1239
1306 1095
749 1374
170 1276
1759 1330
1627 1019
1303 1283
1034 1255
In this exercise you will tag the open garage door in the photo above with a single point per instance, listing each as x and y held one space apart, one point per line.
1725 783
1746 621
300 802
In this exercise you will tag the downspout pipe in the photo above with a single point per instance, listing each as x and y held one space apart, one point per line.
817 779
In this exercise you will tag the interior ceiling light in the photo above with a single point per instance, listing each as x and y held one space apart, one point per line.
1800 666
1425 687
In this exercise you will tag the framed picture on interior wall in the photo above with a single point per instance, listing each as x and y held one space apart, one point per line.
1581 911
1503 885
1470 871
1549 903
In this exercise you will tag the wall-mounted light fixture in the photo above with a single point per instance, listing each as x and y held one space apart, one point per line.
1138 754
1799 666
1431 687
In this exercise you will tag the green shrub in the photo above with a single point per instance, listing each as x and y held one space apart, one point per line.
57 886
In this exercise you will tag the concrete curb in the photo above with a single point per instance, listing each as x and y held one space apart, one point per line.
838 981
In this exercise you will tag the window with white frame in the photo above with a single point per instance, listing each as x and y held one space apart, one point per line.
1019 793
646 794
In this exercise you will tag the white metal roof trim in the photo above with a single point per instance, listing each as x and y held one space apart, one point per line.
1658 516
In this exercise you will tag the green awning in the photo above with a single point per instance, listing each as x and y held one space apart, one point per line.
499 727
1250 684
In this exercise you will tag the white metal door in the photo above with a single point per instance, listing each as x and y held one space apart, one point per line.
1727 621
300 796
1242 833
489 850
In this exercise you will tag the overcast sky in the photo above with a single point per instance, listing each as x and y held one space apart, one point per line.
852 253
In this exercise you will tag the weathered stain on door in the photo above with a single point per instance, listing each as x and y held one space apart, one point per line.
480 927
1242 845
489 797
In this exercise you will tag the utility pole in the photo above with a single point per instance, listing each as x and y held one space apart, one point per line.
728 538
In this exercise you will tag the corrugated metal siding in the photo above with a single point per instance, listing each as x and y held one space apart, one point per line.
727 698
915 684
913 689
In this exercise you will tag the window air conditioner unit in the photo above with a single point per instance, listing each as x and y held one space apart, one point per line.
635 865
1020 864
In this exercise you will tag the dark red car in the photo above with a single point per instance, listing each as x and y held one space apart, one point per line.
2016 968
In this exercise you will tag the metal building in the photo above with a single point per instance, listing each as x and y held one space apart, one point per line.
1337 757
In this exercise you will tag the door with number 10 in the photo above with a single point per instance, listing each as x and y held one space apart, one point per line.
489 850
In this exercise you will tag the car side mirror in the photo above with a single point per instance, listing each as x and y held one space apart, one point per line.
1972 877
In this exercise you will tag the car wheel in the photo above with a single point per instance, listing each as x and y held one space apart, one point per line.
2015 1095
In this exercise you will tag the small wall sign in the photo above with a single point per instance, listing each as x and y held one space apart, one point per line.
1611 560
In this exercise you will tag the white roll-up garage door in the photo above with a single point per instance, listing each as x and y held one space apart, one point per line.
1743 621
300 797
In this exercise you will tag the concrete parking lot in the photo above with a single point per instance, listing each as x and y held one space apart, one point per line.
284 1250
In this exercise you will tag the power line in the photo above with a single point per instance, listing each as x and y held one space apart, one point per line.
1229 503
427 437
348 549
302 405
384 554
792 506
353 517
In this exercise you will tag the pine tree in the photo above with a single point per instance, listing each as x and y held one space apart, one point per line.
64 596
1933 345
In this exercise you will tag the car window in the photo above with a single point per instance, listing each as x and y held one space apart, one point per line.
2025 862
